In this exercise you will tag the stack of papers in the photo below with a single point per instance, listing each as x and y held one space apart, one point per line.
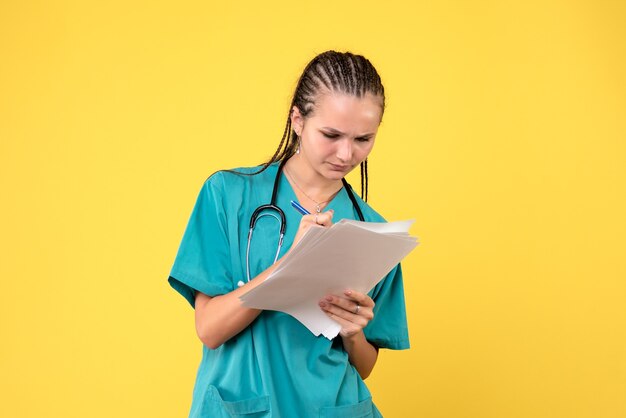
348 255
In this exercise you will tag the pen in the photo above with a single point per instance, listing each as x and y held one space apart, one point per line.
299 208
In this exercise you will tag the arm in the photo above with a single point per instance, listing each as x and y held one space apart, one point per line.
343 309
220 318
361 353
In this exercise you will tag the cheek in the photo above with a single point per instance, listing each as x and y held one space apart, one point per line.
326 147
365 149
320 148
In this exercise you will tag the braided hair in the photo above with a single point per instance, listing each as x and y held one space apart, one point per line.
341 72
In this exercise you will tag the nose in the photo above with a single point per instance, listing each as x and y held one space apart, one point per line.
344 150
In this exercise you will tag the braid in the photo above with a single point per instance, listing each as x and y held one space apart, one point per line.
362 173
345 77
364 180
278 152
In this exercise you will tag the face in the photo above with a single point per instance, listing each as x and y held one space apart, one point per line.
338 134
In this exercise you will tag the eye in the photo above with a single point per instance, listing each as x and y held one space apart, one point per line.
363 139
331 136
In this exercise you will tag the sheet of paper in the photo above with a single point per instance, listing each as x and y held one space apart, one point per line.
350 254
382 227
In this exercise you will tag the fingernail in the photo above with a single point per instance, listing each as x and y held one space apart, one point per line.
348 292
329 298
322 304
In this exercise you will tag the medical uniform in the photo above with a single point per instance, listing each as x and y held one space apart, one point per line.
275 367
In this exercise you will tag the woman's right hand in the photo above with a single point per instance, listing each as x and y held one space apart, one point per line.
324 219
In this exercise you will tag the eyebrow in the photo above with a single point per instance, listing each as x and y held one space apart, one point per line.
335 131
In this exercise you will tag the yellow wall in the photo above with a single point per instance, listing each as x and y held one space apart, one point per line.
504 138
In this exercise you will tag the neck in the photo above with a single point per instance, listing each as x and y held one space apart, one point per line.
309 181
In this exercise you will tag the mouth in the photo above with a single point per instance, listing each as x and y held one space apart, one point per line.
336 167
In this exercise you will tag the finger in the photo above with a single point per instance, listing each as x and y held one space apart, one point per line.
347 309
308 219
362 299
346 304
325 218
347 318
347 328
307 222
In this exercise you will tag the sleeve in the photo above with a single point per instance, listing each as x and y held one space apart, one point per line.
389 327
203 259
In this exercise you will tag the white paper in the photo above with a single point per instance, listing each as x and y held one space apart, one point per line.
348 255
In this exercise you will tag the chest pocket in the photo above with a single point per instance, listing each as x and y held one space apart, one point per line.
264 242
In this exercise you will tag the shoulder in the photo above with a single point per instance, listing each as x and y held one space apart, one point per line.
369 213
238 177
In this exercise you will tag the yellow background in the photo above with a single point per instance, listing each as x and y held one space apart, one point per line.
504 138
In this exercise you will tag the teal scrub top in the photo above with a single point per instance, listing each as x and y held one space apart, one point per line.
275 367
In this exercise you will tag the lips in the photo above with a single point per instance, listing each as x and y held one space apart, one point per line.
339 167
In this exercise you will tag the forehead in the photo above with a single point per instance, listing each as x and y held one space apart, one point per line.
346 112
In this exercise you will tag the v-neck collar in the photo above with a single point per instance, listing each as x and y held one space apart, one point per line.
285 189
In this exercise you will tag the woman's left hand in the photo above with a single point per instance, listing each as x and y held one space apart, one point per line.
353 311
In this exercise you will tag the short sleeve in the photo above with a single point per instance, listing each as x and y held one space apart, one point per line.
203 259
389 327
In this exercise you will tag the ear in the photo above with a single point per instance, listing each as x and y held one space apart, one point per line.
297 120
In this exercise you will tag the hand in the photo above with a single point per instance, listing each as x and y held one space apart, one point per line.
353 311
324 219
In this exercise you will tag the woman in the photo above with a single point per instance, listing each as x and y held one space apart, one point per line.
264 363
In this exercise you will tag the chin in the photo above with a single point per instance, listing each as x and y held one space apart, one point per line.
336 174
329 173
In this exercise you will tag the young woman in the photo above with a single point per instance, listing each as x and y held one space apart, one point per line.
263 363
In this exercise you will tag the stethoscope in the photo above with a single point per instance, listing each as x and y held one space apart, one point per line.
277 213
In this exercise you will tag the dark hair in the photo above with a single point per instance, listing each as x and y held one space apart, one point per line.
341 72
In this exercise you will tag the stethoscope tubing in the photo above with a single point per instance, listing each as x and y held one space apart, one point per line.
281 218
